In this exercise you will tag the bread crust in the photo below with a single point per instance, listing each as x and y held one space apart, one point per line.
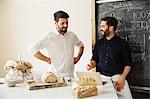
49 77
85 81
84 87
85 91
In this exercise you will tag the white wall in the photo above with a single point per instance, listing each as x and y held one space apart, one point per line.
24 21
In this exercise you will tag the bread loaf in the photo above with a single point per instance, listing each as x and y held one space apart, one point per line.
85 91
24 66
49 77
85 81
84 87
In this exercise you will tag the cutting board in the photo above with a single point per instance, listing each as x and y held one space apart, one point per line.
41 85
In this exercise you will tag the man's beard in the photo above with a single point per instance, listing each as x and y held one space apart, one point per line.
104 33
64 30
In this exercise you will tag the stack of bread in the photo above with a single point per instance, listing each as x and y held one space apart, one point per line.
18 71
84 87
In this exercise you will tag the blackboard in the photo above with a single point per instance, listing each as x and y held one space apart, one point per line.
134 26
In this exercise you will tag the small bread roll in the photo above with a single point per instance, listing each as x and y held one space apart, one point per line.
49 77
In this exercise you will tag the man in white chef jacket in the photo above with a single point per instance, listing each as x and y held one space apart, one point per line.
60 46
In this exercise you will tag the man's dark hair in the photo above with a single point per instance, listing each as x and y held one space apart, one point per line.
60 14
111 21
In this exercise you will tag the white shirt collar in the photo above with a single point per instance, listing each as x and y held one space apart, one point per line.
57 33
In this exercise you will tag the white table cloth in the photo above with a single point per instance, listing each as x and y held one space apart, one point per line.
106 91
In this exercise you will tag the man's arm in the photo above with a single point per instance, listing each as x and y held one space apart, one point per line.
42 57
127 60
126 71
121 81
80 52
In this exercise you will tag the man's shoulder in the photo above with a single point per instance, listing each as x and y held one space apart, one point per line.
71 33
48 35
101 39
121 39
51 33
100 42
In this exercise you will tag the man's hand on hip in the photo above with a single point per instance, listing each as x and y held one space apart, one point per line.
48 60
76 59
120 84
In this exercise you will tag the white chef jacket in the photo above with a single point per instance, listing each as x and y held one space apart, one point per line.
60 50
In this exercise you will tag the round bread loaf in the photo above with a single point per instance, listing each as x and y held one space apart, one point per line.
49 77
